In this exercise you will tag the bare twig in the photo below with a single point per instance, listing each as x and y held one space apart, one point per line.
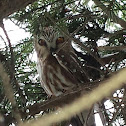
2 120
117 111
111 48
114 34
117 57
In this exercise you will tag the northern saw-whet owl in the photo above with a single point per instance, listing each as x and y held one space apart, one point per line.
59 68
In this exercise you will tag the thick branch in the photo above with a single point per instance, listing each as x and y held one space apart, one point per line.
66 98
84 102
9 92
8 7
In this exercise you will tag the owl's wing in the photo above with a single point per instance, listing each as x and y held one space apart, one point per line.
69 60
39 67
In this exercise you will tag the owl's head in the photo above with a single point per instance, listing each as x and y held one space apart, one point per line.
48 41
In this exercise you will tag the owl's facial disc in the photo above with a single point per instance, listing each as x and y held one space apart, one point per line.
51 45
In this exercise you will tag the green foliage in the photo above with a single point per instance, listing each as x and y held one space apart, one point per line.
79 18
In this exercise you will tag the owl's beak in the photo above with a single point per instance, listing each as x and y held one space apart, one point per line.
52 50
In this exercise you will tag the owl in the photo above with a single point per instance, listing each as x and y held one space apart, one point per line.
58 66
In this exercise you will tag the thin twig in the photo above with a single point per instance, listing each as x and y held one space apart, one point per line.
111 48
114 34
116 113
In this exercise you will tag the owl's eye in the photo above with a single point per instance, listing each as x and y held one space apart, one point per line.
60 40
41 42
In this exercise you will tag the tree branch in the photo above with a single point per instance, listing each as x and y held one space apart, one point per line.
8 7
84 102
111 48
61 100
115 18
12 66
114 58
9 92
